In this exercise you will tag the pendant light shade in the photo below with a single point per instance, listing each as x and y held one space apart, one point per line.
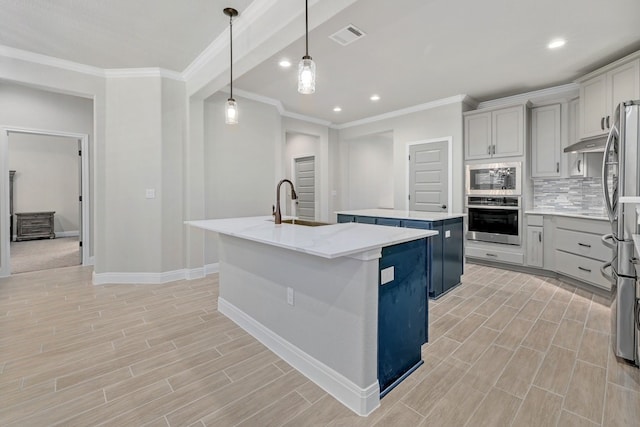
231 112
231 108
306 66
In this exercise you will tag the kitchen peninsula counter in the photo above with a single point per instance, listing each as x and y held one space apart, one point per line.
319 298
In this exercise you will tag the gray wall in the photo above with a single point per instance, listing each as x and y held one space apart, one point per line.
47 178
240 162
438 122
369 172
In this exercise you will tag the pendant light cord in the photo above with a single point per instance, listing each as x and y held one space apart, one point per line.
306 27
231 54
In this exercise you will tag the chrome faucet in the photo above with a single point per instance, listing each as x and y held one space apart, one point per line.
276 208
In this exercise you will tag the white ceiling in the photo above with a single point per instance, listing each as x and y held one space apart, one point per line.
415 51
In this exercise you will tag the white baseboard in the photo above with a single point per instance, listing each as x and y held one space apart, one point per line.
67 233
362 401
155 278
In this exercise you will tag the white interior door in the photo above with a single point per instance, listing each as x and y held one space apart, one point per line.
305 183
428 177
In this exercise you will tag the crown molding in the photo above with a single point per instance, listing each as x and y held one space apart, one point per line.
121 73
404 111
259 98
244 21
568 90
50 61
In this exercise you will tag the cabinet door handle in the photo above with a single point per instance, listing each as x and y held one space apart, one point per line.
579 161
558 167
493 255
584 269
493 150
489 150
602 123
584 245
608 126
540 236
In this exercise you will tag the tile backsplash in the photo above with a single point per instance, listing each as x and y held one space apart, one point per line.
569 195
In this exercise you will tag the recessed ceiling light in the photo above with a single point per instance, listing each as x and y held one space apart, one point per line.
337 109
285 63
554 44
375 97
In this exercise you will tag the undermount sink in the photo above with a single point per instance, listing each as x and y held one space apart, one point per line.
308 223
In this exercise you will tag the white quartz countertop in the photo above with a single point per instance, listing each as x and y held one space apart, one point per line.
328 241
400 214
583 215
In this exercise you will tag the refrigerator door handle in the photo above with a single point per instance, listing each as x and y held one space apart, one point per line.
607 276
605 168
607 240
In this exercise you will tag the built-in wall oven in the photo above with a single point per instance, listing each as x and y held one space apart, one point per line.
495 179
495 219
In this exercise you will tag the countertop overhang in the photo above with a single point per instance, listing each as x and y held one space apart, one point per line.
404 214
328 241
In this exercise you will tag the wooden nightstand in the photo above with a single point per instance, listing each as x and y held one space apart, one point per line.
34 225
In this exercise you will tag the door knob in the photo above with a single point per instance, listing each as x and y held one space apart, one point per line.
444 206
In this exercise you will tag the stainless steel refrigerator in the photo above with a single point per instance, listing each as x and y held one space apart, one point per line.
620 170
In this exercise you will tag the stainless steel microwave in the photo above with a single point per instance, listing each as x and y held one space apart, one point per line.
495 179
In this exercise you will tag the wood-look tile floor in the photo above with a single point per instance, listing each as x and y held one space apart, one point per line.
505 349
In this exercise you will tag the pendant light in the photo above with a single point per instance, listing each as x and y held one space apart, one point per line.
231 108
306 66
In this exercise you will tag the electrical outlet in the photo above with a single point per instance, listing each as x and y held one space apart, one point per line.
290 296
447 233
387 275
150 193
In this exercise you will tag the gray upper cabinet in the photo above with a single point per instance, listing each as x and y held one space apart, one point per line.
602 91
546 144
496 133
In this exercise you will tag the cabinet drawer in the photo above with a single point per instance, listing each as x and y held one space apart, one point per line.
584 244
585 269
493 255
36 222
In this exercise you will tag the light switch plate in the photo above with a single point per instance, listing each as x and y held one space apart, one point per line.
387 275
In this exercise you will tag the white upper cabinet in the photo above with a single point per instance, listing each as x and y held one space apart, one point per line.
599 96
576 161
496 133
546 145
477 133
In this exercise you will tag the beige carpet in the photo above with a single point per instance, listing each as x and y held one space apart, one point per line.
33 255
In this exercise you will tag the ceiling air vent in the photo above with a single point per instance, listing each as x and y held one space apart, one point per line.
347 35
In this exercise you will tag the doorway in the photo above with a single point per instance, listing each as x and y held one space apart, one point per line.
304 179
430 176
72 219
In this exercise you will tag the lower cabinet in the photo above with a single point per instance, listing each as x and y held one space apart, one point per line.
535 246
401 311
445 257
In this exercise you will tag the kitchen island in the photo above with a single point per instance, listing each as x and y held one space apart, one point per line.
445 256
344 304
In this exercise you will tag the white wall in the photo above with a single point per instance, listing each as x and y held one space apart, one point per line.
438 122
369 172
240 162
47 177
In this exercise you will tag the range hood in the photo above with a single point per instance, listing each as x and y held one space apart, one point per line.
588 145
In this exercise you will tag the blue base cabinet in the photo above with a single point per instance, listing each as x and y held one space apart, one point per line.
445 257
401 312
